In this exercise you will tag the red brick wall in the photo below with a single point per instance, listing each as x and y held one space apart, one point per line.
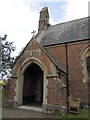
59 53
56 94
75 73
10 90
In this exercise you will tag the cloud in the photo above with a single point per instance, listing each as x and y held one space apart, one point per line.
18 18
89 8
76 9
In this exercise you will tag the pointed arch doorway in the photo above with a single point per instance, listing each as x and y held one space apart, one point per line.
33 86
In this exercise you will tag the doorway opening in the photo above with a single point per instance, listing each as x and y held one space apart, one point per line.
33 86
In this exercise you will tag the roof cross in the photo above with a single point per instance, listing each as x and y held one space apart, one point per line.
33 32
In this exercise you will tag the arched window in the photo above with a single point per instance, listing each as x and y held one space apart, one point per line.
86 64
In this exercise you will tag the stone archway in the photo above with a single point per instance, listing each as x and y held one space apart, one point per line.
25 66
33 85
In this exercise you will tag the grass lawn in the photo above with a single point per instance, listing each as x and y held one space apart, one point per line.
0 94
0 98
84 113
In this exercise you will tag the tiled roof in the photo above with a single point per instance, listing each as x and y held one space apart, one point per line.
76 30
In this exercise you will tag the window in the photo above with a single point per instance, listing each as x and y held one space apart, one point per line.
86 64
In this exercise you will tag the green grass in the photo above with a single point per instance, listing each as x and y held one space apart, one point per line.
0 98
84 113
0 94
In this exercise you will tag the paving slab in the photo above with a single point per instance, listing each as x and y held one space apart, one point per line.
22 113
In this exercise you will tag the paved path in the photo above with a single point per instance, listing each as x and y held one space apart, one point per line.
19 113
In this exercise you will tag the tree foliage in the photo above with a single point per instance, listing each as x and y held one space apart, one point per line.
7 60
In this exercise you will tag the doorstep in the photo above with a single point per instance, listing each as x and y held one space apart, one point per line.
38 109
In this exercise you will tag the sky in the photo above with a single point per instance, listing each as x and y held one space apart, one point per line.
18 18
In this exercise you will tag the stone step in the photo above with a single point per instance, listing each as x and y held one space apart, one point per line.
39 109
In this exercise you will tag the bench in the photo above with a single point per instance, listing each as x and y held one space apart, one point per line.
73 104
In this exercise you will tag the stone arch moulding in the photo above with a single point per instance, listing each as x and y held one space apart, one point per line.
20 80
85 53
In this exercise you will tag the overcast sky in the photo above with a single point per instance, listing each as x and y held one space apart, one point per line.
18 18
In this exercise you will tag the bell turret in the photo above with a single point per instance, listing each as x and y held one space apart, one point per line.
44 19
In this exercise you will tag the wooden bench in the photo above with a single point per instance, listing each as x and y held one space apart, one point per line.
73 104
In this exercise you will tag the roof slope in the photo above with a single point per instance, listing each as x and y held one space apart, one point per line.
76 30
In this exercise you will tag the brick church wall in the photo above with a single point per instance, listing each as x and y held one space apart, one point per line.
77 87
59 53
9 93
75 71
54 93
10 89
55 96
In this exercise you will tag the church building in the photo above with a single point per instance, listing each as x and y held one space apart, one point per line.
53 65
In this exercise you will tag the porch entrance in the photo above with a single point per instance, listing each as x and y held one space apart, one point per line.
33 86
